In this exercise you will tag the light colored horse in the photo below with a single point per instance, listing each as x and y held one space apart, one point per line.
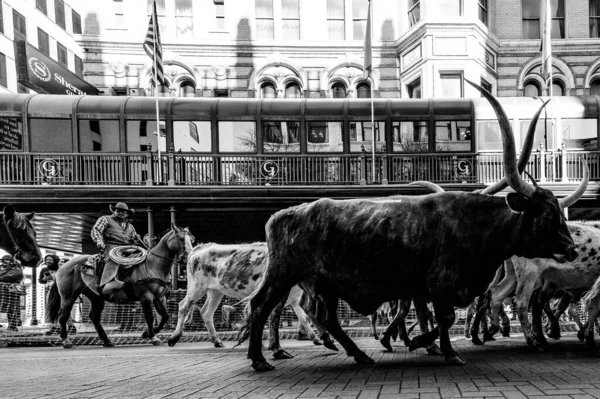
147 284
235 270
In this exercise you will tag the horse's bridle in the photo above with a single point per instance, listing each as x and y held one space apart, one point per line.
16 247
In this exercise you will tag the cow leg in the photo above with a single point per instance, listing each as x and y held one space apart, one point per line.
537 329
445 316
561 307
593 308
373 321
505 321
553 319
186 307
504 289
397 323
274 346
213 298
479 306
310 307
303 320
522 298
468 319
427 338
327 314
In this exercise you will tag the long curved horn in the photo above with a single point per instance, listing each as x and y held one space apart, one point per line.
427 184
525 154
575 195
511 172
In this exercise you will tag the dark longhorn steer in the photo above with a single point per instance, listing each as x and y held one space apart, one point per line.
446 246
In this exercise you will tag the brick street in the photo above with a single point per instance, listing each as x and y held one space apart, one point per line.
504 368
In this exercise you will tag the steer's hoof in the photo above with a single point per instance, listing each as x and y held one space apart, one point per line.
317 341
67 344
156 341
385 341
281 354
455 360
475 340
108 344
434 350
331 345
262 366
218 344
362 358
581 334
172 341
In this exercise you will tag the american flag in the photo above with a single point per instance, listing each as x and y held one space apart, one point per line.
368 66
546 47
152 44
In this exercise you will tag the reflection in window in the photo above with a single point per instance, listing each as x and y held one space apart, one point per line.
290 18
453 136
281 136
338 90
532 24
141 133
544 135
324 137
192 136
489 137
336 26
414 12
183 18
363 90
531 89
292 90
99 135
580 134
264 19
361 133
237 136
410 136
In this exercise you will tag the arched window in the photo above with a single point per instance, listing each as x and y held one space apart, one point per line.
558 89
532 89
363 90
267 90
338 90
595 87
187 89
292 90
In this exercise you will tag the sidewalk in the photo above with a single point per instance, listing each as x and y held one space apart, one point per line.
502 368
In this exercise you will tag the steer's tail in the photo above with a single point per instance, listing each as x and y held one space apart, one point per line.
53 304
592 294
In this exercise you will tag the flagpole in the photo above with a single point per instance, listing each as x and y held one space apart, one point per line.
156 96
373 142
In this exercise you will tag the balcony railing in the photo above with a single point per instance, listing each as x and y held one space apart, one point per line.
281 170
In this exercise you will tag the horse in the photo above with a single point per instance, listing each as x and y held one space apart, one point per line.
18 237
234 270
147 284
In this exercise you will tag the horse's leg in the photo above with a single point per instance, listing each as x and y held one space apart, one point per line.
274 345
160 305
66 305
97 306
207 312
186 307
146 299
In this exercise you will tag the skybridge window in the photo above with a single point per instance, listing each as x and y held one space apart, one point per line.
192 136
99 135
237 136
453 136
410 136
281 136
324 137
361 134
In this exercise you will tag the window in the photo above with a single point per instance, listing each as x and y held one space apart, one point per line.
119 13
62 54
160 13
363 90
361 133
76 23
21 88
489 137
580 133
410 136
41 5
20 25
59 13
359 18
486 85
595 87
594 18
219 14
221 93
453 136
532 24
281 136
99 135
338 90
483 11
558 89
3 77
531 89
324 137
414 12
43 43
292 90
290 15
141 133
264 19
451 8
187 89
267 90
1 18
414 89
183 18
451 85
78 66
237 136
51 135
544 135
192 136
336 26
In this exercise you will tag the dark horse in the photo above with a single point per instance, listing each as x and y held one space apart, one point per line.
17 236
147 284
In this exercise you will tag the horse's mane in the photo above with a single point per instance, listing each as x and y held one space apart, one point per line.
19 221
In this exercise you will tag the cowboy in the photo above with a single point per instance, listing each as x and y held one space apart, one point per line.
110 232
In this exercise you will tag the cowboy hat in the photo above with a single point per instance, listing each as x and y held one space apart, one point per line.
122 206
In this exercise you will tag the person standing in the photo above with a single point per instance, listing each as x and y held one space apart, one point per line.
109 232
11 273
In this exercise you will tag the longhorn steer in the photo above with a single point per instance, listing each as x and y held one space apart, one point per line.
446 246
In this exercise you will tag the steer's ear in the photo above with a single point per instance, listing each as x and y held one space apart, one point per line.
517 202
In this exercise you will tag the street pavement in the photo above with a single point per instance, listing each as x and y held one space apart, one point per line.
502 368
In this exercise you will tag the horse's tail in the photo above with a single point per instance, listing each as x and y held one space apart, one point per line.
53 304
592 293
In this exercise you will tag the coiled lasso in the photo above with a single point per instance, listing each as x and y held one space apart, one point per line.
128 255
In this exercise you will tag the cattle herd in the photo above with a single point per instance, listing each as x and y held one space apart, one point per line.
440 250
